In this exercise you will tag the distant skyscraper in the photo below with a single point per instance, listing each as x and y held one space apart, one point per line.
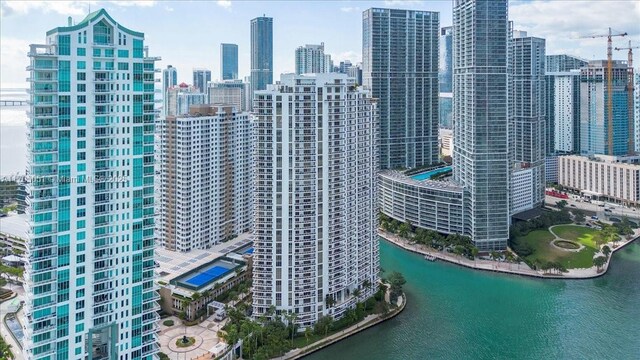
446 59
599 135
201 78
228 61
344 66
356 73
560 65
261 54
169 78
400 67
229 92
312 59
315 222
528 94
204 184
90 282
481 118
178 99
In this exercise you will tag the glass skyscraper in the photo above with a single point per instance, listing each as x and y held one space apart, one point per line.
599 133
169 78
400 68
446 59
89 279
562 102
228 61
201 79
481 118
528 93
261 53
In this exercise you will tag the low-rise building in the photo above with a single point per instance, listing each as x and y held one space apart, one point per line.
14 232
610 178
190 281
522 197
425 203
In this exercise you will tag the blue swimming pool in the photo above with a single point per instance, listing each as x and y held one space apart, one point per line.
249 251
429 174
207 275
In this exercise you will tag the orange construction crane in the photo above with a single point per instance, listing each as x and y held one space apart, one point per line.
631 144
609 82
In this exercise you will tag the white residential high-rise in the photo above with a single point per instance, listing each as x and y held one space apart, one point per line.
566 108
204 184
89 280
315 196
179 98
311 59
481 118
230 92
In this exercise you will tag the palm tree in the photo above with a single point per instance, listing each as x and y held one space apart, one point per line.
356 293
599 262
606 250
5 350
307 333
329 301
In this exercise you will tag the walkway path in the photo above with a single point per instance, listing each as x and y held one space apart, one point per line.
509 268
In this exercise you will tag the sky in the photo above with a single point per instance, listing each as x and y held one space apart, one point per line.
187 34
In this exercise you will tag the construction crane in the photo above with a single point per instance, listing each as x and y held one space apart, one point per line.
631 144
609 82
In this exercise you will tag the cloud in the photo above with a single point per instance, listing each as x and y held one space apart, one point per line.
353 56
226 4
168 8
138 3
350 9
71 8
403 2
13 53
60 7
562 23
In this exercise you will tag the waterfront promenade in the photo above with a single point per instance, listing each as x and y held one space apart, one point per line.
367 322
505 267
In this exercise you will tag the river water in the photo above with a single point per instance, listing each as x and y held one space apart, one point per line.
458 313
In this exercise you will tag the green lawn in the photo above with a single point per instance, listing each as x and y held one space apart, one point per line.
581 234
543 251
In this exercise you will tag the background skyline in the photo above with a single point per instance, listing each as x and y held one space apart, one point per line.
187 35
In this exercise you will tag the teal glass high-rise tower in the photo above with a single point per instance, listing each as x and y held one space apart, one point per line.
481 118
89 280
228 61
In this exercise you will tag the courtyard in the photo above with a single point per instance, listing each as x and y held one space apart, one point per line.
204 339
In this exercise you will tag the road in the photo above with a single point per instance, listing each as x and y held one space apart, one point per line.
616 210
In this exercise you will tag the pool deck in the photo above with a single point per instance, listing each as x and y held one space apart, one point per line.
426 175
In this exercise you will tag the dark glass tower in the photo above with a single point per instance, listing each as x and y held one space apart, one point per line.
261 53
228 61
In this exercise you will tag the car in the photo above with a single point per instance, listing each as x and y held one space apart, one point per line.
573 205
594 217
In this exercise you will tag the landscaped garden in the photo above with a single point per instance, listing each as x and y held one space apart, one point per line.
545 255
574 247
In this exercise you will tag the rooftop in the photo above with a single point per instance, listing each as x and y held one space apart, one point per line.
15 226
173 264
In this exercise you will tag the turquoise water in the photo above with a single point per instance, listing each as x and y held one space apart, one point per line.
457 313
428 174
